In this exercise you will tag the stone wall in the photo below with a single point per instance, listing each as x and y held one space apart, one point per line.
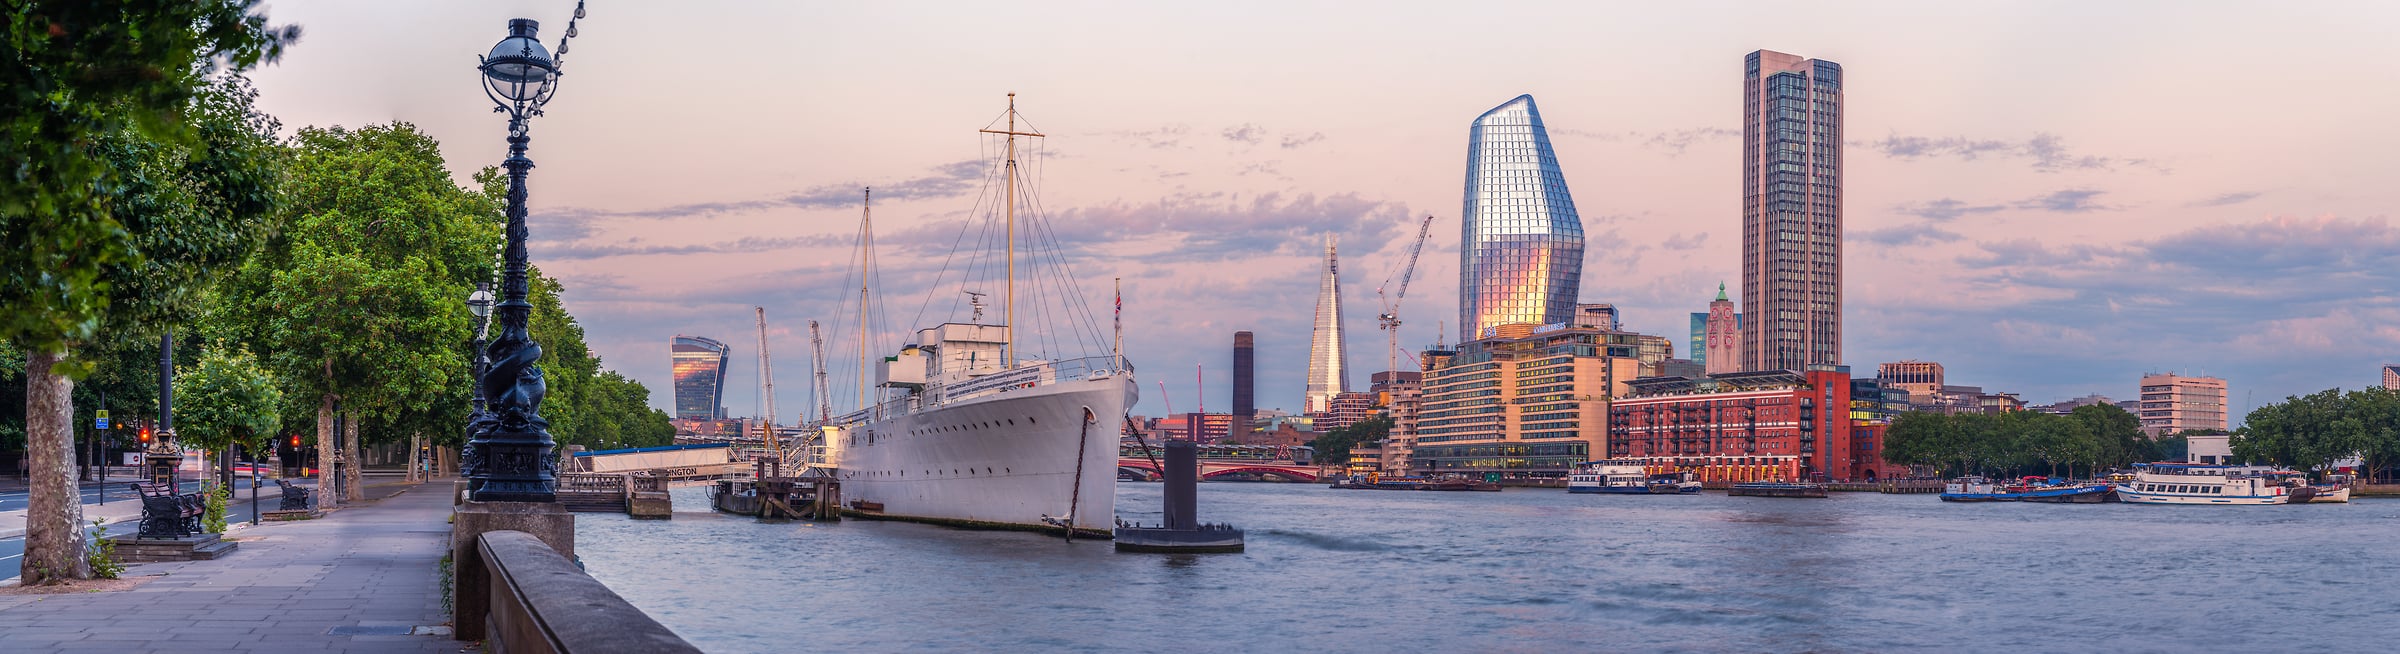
540 602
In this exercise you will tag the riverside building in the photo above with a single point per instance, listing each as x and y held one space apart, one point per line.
1401 392
1745 426
1525 401
2173 403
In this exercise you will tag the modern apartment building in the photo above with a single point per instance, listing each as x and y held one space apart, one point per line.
1345 409
2391 376
1791 211
699 369
2173 403
1525 402
1521 247
1401 393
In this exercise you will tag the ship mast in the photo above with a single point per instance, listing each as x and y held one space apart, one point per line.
866 236
1008 311
766 371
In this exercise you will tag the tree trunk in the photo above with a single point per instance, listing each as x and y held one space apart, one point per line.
325 496
410 459
54 510
352 490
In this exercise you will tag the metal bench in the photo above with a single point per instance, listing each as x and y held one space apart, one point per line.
167 514
295 498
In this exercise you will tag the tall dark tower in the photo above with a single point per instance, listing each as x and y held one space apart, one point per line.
1242 393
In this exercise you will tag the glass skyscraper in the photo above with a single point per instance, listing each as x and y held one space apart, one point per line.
1791 212
1328 350
699 377
1520 258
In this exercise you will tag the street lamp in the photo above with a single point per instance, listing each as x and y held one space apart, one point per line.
508 453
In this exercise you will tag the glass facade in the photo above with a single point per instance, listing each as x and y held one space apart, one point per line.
1521 253
1791 212
1328 351
699 377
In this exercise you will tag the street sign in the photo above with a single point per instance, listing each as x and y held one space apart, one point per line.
100 419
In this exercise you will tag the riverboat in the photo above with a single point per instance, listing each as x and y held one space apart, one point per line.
1776 489
1979 489
2185 483
1627 477
1453 483
2331 494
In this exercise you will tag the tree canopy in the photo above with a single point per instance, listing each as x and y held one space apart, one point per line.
2096 437
1334 446
226 397
2312 432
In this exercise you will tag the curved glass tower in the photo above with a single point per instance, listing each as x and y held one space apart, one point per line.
1521 256
699 377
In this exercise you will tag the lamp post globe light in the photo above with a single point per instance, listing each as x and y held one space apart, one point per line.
508 452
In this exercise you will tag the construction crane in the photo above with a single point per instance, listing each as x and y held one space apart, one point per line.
766 371
1389 320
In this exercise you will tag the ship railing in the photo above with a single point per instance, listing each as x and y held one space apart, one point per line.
1029 376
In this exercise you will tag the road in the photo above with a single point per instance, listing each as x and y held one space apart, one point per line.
239 510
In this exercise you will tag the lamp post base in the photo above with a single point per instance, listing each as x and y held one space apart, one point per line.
547 521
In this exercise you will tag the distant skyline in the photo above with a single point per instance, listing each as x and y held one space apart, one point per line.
2049 198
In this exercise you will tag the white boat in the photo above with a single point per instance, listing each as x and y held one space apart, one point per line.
2331 494
1626 477
964 429
2179 483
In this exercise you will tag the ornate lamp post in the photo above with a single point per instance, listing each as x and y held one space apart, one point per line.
508 458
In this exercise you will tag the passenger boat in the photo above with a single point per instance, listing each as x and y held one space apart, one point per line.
2188 483
1979 489
2331 494
1449 483
1776 489
1627 477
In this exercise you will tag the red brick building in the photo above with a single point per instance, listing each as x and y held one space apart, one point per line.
1743 426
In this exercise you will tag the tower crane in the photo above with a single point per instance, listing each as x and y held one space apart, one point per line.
766 371
1389 320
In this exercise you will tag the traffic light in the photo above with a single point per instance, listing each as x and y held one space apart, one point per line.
145 435
295 441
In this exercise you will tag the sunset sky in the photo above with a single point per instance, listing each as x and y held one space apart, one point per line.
2047 198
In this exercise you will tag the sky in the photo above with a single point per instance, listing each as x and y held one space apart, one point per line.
2050 199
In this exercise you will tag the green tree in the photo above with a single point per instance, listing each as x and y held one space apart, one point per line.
227 398
359 302
2376 440
1334 446
119 197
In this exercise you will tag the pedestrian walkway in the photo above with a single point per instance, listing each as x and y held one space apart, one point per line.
352 581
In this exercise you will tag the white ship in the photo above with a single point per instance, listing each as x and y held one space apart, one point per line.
2176 483
965 430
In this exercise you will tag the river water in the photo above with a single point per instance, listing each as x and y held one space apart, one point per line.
1535 570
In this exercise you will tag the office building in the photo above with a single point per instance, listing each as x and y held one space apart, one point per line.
1521 244
1699 340
1920 378
1328 352
699 370
1602 315
1722 336
2391 376
1653 351
2173 403
1244 383
1525 402
1791 212
1744 426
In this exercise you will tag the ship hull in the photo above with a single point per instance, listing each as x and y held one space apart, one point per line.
1017 459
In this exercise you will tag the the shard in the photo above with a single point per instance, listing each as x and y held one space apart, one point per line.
1521 256
1328 351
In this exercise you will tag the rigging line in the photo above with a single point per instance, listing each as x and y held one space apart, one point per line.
977 272
1059 273
1042 290
1074 288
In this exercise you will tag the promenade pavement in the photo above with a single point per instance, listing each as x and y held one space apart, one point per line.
351 581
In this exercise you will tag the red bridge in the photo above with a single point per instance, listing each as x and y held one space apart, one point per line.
1228 461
